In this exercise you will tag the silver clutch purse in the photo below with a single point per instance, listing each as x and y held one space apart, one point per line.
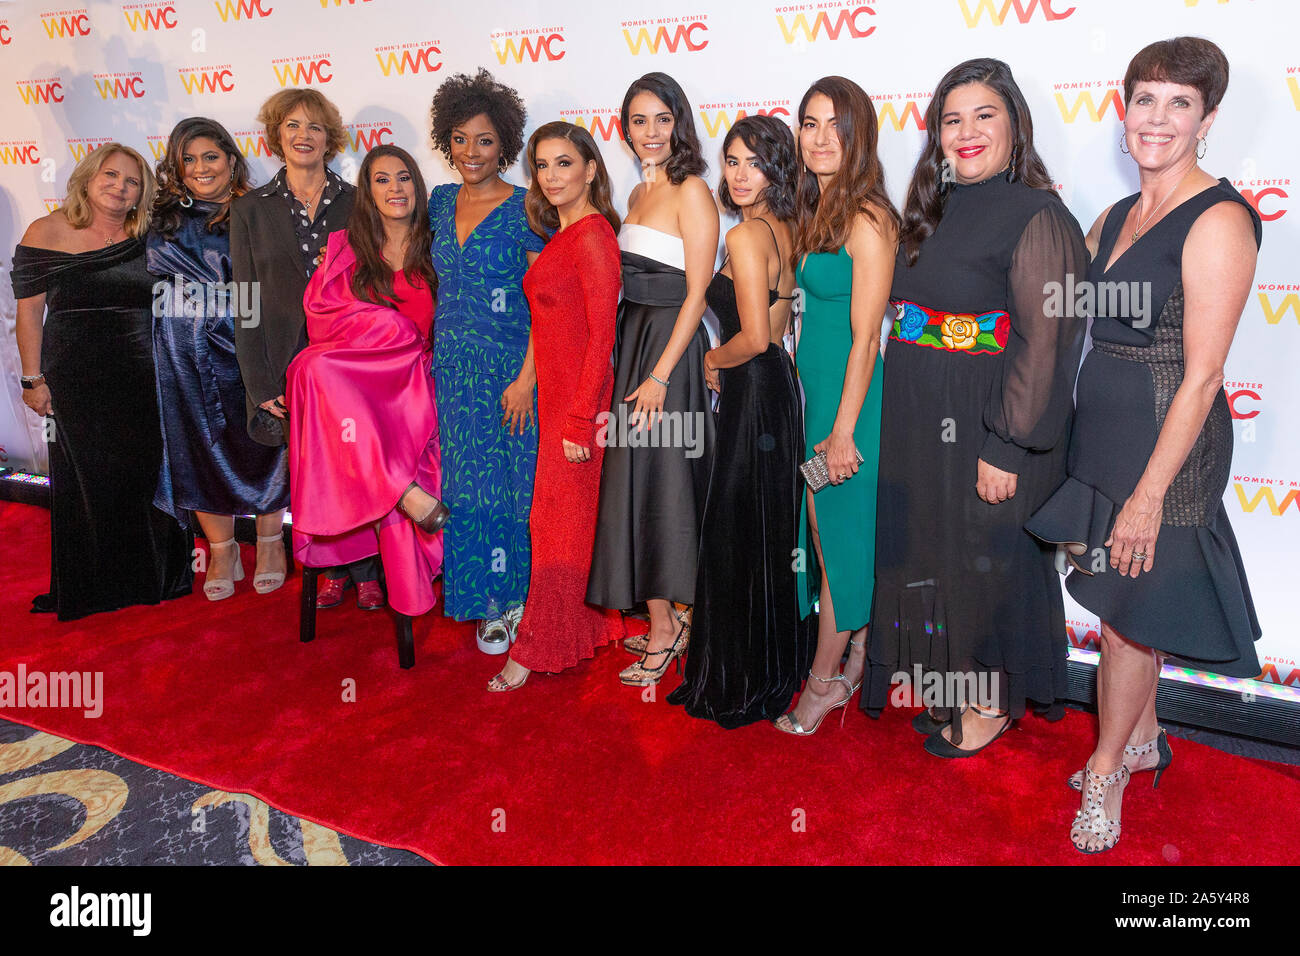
815 472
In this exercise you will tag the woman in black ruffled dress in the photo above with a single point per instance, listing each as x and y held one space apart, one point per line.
90 369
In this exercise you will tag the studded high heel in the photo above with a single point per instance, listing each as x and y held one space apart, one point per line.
1159 744
638 675
1091 819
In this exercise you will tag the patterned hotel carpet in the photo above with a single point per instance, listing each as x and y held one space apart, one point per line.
71 804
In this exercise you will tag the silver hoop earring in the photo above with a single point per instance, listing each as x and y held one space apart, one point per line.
1201 147
187 200
1123 143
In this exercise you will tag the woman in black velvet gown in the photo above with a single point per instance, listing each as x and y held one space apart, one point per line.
976 407
90 369
750 648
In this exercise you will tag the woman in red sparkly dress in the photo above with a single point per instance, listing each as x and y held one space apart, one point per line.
572 292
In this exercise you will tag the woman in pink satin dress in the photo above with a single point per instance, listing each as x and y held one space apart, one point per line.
363 426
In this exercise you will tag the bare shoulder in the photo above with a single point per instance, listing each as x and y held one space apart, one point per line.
747 236
1226 222
48 232
637 192
872 234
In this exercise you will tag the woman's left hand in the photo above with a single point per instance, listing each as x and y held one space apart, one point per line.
517 407
993 484
649 406
1132 541
575 453
841 456
711 378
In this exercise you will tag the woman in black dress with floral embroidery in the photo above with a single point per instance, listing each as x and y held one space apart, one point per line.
977 398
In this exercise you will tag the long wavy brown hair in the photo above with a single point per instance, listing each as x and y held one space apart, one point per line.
824 221
373 279
167 205
927 192
542 216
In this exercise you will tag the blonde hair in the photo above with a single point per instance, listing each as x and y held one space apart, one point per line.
76 207
320 109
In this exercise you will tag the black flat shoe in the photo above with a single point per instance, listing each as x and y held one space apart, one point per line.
935 744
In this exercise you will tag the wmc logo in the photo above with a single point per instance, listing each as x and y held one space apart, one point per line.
363 137
67 23
1243 399
409 58
19 153
849 20
48 90
81 148
531 45
1266 196
1282 672
207 79
252 142
303 70
119 86
157 145
997 15
241 9
666 35
897 111
602 124
1274 494
1275 307
720 117
1092 102
153 16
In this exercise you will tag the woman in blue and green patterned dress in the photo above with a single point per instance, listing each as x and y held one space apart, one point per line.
483 356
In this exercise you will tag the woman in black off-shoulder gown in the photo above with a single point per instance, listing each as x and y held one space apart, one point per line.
110 547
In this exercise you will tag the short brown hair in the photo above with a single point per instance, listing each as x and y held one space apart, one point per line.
1187 61
76 207
318 107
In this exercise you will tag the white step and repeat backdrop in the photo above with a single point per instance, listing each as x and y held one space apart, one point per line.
76 74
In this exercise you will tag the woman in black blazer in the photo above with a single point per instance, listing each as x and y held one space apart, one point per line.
277 238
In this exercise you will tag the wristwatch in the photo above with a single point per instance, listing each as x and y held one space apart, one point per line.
32 381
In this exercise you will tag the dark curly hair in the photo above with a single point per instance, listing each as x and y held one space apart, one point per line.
685 158
462 97
773 146
167 205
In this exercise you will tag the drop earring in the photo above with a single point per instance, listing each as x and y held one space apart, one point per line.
1201 147
1123 143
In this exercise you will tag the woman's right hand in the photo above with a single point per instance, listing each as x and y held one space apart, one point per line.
711 378
275 406
38 399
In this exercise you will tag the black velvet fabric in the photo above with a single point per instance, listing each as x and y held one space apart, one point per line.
749 649
110 546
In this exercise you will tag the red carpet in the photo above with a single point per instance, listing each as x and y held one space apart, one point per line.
577 768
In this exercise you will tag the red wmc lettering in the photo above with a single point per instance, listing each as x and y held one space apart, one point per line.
408 60
364 140
1256 200
1023 11
304 72
118 88
208 81
1240 396
603 129
1271 675
19 155
69 26
154 18
5 38
33 93
662 38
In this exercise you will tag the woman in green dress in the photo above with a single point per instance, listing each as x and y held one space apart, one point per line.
844 246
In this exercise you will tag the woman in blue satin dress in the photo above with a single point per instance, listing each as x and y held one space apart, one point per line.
211 470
